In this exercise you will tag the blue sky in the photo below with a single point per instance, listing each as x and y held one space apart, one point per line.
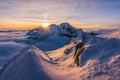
104 12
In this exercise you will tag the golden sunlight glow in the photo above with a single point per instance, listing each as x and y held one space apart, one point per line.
45 25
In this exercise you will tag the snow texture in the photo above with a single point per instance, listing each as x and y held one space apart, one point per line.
99 61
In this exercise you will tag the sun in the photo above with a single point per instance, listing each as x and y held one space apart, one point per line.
45 25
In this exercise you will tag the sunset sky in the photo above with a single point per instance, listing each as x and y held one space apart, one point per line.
21 14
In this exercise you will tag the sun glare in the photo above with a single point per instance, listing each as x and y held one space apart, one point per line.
45 25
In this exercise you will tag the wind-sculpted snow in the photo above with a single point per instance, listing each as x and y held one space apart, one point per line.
100 48
100 70
27 65
100 60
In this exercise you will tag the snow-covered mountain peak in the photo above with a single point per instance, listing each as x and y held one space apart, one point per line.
62 30
65 29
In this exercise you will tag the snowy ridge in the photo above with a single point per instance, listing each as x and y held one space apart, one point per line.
26 66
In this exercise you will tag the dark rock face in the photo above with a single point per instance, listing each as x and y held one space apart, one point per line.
67 30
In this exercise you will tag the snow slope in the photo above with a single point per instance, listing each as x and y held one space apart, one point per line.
99 61
26 66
